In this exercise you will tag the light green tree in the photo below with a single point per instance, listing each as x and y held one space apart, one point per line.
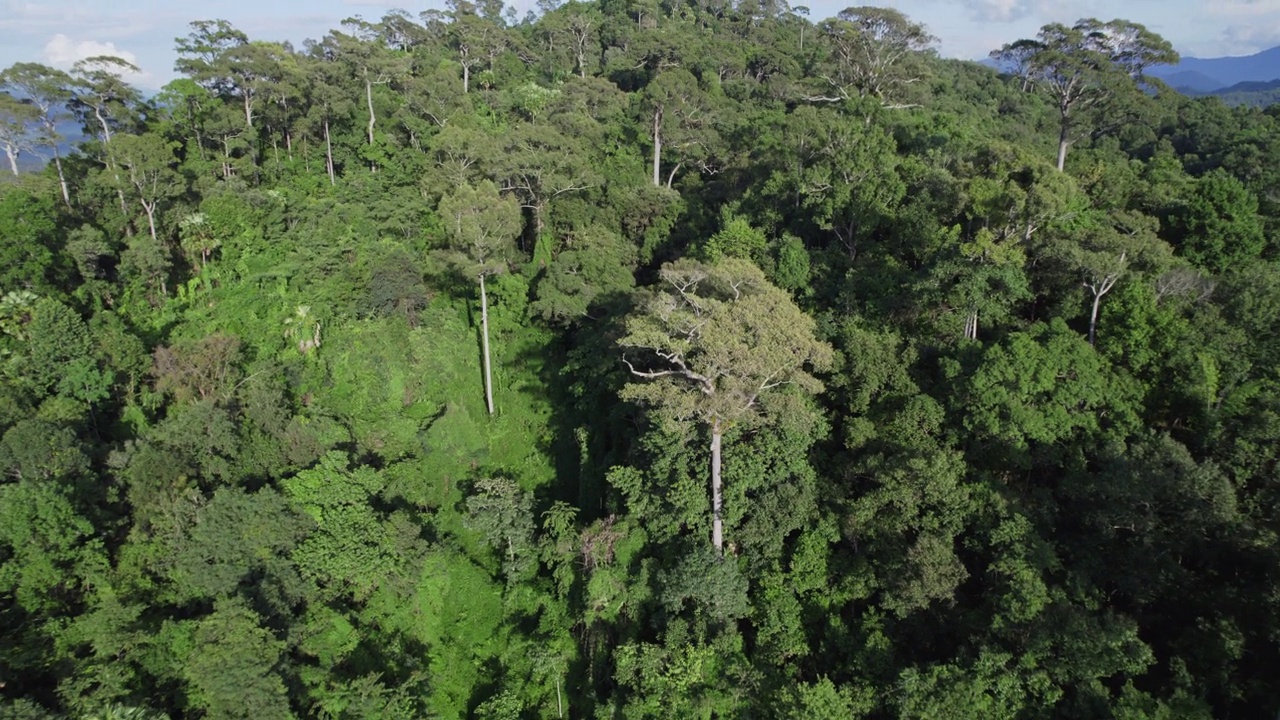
871 53
47 90
1084 68
482 226
15 135
709 341
148 162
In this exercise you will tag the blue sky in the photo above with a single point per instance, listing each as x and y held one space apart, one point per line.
58 32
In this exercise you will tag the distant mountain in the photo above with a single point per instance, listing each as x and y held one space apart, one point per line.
1256 94
1191 82
1247 87
1206 75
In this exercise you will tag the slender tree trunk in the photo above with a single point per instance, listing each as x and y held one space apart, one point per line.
111 165
248 110
1093 317
537 221
657 147
62 179
671 176
1064 140
106 128
151 218
466 77
484 341
12 154
199 140
328 153
1099 288
559 702
368 96
717 525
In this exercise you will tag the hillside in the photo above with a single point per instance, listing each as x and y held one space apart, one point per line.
640 361
1250 94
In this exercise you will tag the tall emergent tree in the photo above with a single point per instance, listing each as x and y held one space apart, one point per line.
15 136
103 102
101 99
482 226
1085 68
871 52
148 161
48 90
711 339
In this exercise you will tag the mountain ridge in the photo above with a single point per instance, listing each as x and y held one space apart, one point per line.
1213 75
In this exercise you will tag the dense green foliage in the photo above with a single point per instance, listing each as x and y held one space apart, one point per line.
998 441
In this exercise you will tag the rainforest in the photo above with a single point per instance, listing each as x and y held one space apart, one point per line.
638 359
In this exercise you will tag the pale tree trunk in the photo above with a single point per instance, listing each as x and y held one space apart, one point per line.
248 110
226 157
106 127
151 218
671 176
717 525
368 96
1064 140
1093 317
124 206
199 140
559 702
466 77
12 154
484 342
971 326
657 147
328 153
1099 288
62 179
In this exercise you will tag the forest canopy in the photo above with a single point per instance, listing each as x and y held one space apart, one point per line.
638 360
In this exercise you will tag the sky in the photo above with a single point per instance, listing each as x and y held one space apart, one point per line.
59 32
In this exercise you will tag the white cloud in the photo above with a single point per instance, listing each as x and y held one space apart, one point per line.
1246 39
63 52
1243 8
1002 10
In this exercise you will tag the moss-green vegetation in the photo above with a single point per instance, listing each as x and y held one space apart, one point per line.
818 389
